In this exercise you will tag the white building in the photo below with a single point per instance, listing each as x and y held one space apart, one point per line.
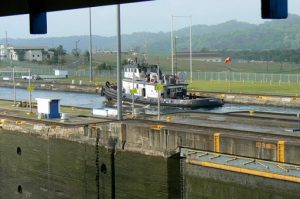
28 53
3 51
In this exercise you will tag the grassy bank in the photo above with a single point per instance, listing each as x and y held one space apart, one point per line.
284 89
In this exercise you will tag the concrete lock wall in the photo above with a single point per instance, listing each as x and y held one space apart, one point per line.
165 142
58 159
152 139
32 166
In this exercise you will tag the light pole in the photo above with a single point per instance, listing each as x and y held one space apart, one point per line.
30 89
172 45
91 70
76 47
119 81
14 83
191 53
175 53
158 94
132 94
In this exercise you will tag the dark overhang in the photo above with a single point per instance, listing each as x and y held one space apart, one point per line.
16 7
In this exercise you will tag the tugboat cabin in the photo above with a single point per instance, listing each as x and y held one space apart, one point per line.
144 79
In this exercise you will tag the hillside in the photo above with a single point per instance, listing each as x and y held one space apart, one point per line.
231 35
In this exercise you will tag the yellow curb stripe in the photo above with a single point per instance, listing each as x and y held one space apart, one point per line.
244 170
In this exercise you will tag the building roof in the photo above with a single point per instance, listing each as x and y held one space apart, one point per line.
29 47
16 7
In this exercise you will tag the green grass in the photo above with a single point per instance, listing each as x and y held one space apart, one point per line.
184 65
246 87
163 58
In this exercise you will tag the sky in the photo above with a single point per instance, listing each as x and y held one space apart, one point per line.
153 16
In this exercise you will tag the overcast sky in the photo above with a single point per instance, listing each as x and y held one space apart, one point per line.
151 16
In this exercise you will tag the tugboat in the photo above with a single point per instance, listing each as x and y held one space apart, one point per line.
145 84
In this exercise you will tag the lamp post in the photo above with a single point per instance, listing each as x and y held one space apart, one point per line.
175 53
132 94
76 47
30 89
158 94
119 81
91 70
14 83
172 45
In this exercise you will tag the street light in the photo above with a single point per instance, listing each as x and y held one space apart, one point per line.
172 46
119 81
76 44
175 53
91 71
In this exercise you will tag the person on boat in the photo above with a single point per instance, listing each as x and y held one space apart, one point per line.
148 77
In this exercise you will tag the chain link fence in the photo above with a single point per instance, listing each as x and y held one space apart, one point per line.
247 77
37 69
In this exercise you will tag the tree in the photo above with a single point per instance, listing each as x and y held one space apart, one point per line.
104 66
58 55
21 54
124 62
75 52
86 56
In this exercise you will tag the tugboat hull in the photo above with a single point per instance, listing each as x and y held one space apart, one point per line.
110 93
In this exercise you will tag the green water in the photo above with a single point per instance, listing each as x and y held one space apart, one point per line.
55 168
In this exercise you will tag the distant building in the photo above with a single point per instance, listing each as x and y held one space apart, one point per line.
3 52
201 56
28 53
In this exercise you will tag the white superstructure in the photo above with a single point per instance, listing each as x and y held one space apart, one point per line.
145 79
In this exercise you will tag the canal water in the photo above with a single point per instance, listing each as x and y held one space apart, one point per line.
96 101
33 167
67 98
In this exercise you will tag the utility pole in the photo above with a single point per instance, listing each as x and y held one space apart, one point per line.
76 47
14 83
190 44
172 47
91 51
158 94
30 89
119 81
191 52
175 53
132 94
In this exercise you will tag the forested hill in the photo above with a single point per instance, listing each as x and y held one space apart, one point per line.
231 35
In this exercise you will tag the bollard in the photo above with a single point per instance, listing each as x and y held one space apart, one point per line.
280 151
168 119
217 142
